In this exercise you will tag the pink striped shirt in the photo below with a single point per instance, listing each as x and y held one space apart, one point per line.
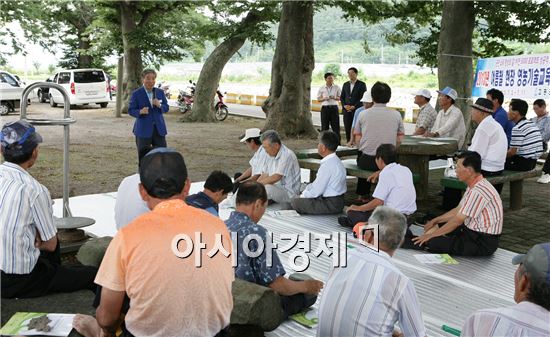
483 207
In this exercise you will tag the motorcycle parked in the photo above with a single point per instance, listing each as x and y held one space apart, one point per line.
185 98
166 88
221 110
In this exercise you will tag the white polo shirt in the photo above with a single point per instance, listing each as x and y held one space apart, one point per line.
395 187
330 180
286 164
491 143
129 204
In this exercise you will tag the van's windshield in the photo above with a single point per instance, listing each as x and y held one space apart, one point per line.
90 76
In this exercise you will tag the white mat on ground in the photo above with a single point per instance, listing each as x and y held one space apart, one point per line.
448 293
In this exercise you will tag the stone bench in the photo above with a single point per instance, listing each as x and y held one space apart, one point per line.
349 164
514 177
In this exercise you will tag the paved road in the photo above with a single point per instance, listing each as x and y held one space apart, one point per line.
256 111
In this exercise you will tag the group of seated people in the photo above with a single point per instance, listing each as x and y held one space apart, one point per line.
145 288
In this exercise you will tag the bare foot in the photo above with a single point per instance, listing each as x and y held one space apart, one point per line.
86 325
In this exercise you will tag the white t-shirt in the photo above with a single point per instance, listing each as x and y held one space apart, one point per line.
491 143
129 204
395 187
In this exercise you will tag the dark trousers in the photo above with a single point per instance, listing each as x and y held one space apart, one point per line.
462 241
546 167
155 141
487 174
48 276
319 205
519 163
330 116
365 162
296 303
348 120
355 217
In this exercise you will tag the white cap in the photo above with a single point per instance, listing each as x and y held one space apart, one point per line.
424 93
251 133
366 97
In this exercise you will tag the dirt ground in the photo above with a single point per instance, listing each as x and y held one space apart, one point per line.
103 150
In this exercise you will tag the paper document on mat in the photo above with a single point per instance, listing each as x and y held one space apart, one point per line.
283 212
53 325
308 318
435 258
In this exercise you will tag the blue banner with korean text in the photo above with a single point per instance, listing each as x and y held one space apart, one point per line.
522 76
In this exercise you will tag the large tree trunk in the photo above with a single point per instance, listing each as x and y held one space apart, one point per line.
133 65
84 60
288 107
455 68
209 78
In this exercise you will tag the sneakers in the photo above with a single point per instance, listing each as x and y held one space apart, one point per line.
544 179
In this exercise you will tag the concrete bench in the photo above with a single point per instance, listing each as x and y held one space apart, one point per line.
349 164
514 177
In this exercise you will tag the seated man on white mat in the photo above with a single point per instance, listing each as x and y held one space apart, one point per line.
281 176
325 195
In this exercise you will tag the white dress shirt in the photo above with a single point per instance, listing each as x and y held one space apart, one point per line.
450 123
25 212
524 319
368 297
395 187
326 91
285 164
129 204
330 180
491 143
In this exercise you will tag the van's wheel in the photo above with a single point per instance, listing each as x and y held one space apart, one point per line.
4 108
52 103
104 104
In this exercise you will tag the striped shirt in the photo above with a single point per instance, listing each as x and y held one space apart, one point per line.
426 117
524 319
258 160
286 164
25 211
482 206
527 139
368 297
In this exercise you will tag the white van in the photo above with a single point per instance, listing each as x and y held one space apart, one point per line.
84 86
10 92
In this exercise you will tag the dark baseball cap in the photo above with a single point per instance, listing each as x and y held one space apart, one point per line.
19 138
163 173
483 104
536 262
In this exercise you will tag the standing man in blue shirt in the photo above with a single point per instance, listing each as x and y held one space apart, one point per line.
500 115
147 105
